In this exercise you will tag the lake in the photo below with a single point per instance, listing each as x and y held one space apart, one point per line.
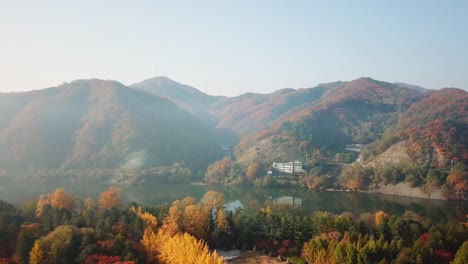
250 197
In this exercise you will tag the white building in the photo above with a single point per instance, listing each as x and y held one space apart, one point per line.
289 167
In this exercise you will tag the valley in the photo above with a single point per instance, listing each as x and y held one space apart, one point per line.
155 130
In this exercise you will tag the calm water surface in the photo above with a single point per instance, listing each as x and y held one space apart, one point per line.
248 197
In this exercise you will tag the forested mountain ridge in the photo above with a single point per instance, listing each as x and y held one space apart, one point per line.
352 112
185 96
160 123
96 124
428 147
436 126
242 114
428 128
250 112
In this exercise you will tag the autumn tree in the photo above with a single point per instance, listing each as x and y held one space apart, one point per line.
380 216
150 241
89 204
168 244
29 232
37 255
355 177
222 224
213 200
88 212
196 222
220 233
462 254
59 199
184 248
62 200
59 245
458 178
150 220
218 171
254 170
320 249
110 198
102 259
189 200
171 223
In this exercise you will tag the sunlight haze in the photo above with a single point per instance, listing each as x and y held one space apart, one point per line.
233 47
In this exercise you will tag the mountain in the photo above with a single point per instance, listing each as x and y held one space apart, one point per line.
96 124
406 135
438 126
187 97
251 112
161 128
412 86
352 112
435 130
234 117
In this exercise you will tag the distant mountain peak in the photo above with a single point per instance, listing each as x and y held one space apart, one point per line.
413 87
162 80
164 86
185 96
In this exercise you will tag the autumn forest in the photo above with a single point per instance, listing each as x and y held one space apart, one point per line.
61 228
362 136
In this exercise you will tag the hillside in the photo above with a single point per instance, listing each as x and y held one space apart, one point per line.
166 130
99 124
251 112
352 112
438 125
412 86
185 96
435 129
241 114
428 148
180 93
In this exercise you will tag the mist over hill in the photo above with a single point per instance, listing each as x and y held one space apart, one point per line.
96 124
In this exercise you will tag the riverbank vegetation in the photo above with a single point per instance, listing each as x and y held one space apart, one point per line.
61 228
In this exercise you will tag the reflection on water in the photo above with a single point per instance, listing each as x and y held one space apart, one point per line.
288 200
249 197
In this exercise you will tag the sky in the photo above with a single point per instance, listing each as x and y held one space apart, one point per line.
231 47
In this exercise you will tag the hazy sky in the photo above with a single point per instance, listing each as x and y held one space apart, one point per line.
231 47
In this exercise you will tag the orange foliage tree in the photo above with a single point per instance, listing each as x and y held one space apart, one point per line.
222 224
110 198
184 248
196 222
150 241
171 224
213 200
380 216
253 171
355 177
458 179
218 171
59 199
62 200
163 247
